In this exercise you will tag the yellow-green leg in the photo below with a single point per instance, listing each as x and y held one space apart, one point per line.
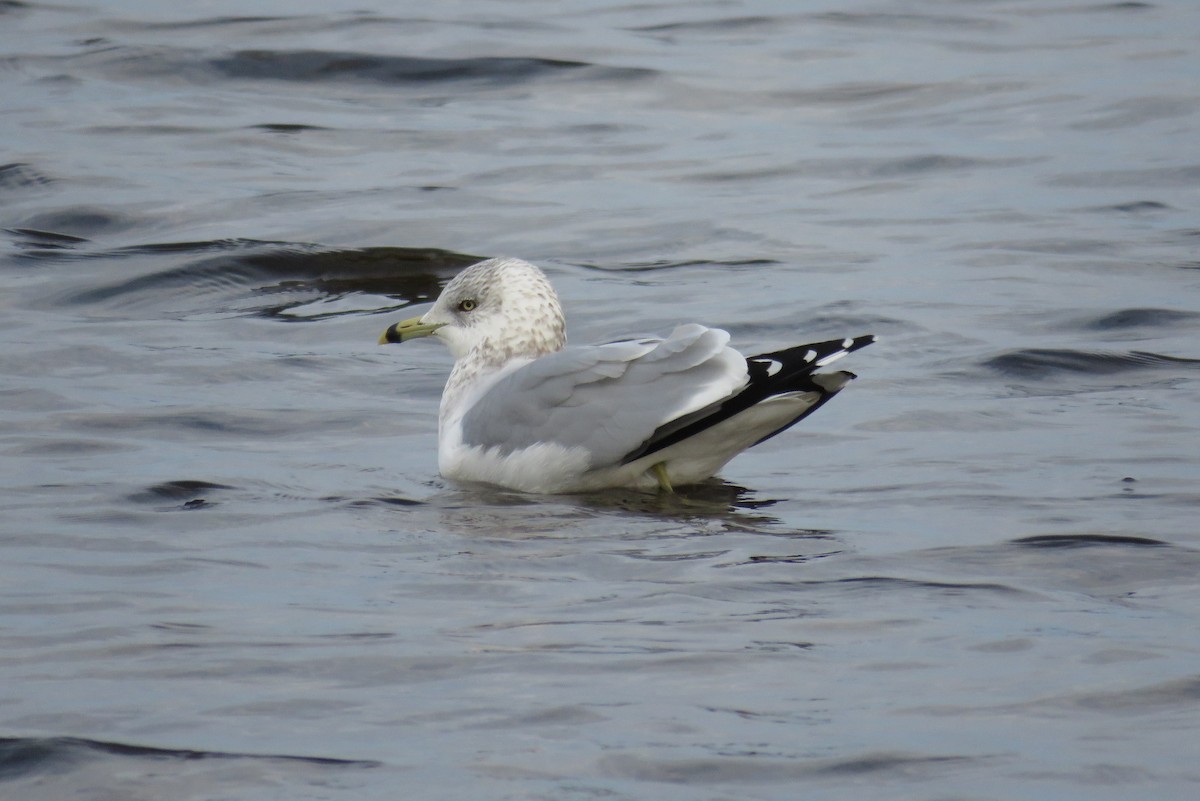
664 481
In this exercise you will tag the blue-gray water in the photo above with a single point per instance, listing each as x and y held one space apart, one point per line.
228 568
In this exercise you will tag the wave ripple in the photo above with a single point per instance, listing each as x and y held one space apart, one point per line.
1043 363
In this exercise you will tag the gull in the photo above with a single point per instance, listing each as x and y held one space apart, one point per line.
521 410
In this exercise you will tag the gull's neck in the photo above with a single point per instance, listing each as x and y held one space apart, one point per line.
489 361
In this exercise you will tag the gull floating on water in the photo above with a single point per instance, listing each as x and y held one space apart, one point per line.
521 410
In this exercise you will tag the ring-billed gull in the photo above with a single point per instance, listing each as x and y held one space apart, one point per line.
520 410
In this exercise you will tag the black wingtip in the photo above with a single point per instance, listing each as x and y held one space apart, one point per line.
860 342
788 371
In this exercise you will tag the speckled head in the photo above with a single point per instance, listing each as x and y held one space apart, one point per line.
499 309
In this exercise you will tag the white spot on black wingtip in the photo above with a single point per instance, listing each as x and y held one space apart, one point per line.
810 355
773 365
832 357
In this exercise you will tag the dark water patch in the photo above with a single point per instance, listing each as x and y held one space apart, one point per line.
287 128
1133 207
186 490
34 244
66 448
200 246
1115 568
153 249
186 628
1140 318
249 270
26 756
150 129
755 768
357 636
11 6
79 221
64 234
1120 7
1046 363
857 169
389 502
780 646
48 238
307 66
406 275
916 165
207 22
19 175
711 500
322 23
670 264
788 559
889 583
1088 541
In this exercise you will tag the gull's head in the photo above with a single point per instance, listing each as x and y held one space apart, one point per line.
500 308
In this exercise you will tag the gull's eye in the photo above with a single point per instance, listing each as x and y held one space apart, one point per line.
466 305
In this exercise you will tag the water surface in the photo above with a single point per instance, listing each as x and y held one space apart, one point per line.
229 568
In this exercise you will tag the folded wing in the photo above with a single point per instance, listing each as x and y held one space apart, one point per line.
608 399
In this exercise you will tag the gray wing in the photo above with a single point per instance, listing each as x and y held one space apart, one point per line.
608 399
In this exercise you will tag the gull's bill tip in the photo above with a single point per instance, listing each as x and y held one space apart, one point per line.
405 330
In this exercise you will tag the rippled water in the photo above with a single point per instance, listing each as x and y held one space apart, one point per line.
230 570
